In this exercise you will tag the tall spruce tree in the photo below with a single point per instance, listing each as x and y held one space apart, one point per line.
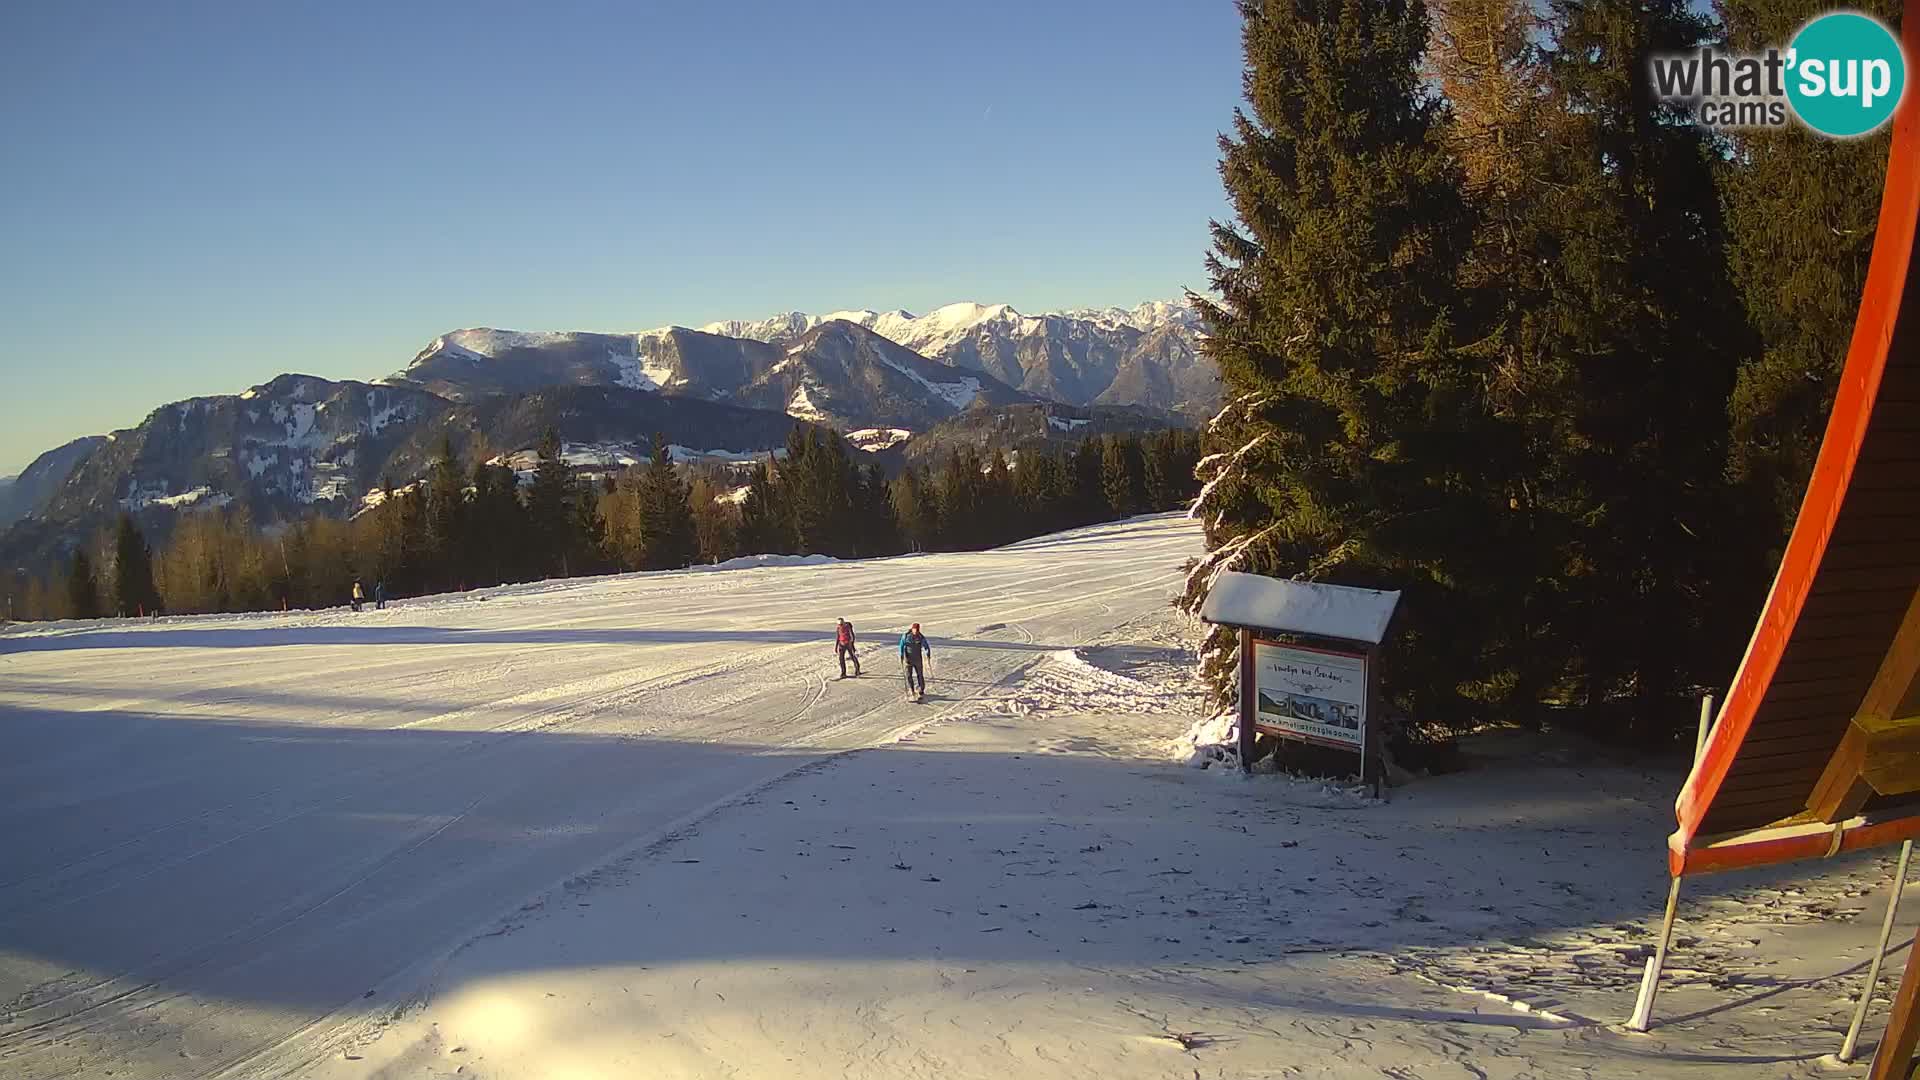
551 519
133 591
875 525
1665 583
998 525
961 486
1521 320
443 537
83 587
666 519
1038 492
1116 481
1087 501
1160 471
1801 215
916 507
765 528
715 523
497 523
1345 452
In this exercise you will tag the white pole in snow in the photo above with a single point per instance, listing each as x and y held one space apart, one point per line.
1879 953
1643 1005
1650 979
1706 725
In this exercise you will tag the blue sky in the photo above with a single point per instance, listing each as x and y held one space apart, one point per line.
198 196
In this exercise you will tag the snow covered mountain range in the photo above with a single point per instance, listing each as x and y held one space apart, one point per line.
909 385
1143 356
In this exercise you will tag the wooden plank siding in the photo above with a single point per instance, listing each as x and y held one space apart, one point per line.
1849 574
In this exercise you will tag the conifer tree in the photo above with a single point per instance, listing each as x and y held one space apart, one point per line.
442 523
551 516
1509 127
916 507
1159 471
997 502
1115 484
497 524
83 587
666 520
1087 502
133 591
1343 453
1801 216
714 524
1037 491
962 500
764 525
874 521
584 542
1657 335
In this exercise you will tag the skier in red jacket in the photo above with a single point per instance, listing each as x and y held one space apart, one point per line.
843 649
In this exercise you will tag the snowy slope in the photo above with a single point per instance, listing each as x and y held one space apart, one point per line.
29 492
223 832
1024 890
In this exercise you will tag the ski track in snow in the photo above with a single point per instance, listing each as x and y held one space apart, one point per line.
227 834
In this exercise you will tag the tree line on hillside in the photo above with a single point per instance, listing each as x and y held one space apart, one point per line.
1500 329
472 527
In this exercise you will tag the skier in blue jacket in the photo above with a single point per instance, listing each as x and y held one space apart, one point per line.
914 647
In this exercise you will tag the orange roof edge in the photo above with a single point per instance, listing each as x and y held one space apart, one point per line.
1839 451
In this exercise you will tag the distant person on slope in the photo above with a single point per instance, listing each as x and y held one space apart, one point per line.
359 595
843 649
914 649
380 595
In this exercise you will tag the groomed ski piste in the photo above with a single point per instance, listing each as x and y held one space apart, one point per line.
635 826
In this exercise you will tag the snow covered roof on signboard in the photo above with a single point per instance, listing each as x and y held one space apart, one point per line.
1300 607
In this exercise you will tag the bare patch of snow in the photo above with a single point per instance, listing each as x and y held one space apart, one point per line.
957 394
874 440
801 406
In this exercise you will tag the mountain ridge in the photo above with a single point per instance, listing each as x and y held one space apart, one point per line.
1146 355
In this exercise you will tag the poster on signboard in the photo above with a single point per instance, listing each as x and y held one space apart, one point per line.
1315 695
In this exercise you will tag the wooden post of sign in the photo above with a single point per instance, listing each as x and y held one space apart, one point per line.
1249 703
1374 737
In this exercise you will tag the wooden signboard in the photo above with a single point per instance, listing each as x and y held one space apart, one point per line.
1308 668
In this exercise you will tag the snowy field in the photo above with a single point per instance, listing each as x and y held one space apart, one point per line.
631 827
219 831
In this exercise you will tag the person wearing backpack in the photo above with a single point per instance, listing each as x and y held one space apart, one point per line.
914 651
843 649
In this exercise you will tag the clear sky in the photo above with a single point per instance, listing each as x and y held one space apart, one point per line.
195 197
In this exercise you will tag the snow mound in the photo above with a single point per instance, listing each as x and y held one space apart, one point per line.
747 562
1212 740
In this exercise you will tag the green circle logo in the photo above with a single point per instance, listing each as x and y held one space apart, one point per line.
1845 74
